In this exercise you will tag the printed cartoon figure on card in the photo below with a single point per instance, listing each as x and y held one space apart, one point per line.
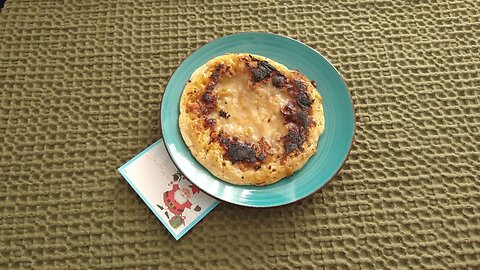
178 199
176 202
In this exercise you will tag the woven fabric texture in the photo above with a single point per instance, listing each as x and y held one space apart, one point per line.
81 84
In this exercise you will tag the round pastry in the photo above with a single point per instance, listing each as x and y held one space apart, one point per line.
250 120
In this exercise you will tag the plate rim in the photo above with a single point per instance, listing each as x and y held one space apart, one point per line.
301 43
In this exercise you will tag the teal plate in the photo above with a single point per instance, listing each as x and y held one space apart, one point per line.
333 146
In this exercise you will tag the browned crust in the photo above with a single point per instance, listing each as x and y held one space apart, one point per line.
297 116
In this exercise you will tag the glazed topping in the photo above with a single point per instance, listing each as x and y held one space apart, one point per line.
254 109
263 113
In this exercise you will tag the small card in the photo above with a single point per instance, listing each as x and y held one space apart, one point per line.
176 202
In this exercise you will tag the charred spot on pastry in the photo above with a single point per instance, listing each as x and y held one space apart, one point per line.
300 85
238 151
298 90
210 122
208 97
301 119
293 115
262 71
213 79
293 141
303 100
278 81
223 140
314 84
209 102
262 156
243 152
253 58
224 114
298 121
216 72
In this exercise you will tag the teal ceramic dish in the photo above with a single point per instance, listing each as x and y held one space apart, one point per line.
333 146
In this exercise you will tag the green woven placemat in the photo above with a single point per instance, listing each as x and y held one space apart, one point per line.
80 86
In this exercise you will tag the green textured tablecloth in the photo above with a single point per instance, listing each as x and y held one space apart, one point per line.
81 83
